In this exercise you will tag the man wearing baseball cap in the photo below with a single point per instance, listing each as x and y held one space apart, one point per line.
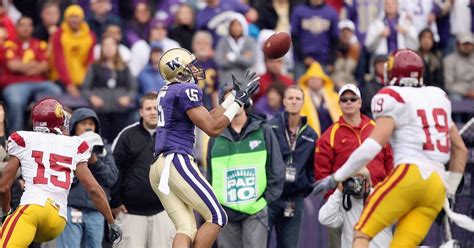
342 138
458 73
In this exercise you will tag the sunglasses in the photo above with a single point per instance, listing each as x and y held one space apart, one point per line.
346 99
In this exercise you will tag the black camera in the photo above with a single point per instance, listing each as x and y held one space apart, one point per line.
98 149
355 186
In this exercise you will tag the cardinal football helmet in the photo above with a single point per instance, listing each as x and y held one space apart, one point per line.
404 68
180 65
48 116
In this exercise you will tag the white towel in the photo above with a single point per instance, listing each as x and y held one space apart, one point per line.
461 220
163 186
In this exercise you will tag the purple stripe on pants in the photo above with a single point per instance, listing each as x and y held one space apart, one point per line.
207 201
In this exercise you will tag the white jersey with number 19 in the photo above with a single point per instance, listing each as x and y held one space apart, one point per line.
48 162
422 118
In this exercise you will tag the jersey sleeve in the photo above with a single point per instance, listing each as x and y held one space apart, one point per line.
83 151
190 96
17 145
388 103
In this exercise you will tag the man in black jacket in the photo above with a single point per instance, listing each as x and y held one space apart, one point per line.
297 143
138 210
85 226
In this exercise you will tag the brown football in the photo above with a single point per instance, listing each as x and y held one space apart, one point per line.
277 45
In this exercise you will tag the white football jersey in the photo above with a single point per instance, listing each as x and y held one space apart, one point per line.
48 162
422 123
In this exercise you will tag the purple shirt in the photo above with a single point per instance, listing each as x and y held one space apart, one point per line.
444 27
205 15
175 131
315 27
392 38
211 83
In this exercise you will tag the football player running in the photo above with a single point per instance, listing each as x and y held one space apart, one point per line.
49 161
417 121
175 176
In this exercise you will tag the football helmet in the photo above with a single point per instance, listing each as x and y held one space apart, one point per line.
180 65
404 67
48 116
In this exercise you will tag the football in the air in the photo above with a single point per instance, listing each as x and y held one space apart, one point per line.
277 45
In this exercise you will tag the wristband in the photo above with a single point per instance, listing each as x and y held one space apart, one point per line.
454 179
232 111
228 101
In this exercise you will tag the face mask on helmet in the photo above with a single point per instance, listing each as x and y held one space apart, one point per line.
196 71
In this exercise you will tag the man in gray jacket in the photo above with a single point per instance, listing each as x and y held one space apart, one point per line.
85 226
458 73
247 172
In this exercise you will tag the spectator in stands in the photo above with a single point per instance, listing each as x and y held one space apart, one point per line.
314 34
274 74
114 31
367 12
149 79
440 14
296 141
347 54
272 102
6 22
85 226
166 10
391 31
235 52
340 139
460 19
110 89
458 69
202 49
346 10
140 50
72 50
50 15
101 17
373 86
213 17
247 138
139 27
320 99
344 207
24 76
182 30
418 16
136 207
432 58
159 33
275 15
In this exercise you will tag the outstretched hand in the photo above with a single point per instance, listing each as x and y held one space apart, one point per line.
323 185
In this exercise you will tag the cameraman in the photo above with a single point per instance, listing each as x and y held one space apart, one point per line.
85 226
337 143
344 208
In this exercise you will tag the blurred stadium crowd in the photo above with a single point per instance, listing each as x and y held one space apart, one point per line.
103 55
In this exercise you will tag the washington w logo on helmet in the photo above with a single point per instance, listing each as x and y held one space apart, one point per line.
173 64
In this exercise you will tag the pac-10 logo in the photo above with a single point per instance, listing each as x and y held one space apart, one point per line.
173 64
